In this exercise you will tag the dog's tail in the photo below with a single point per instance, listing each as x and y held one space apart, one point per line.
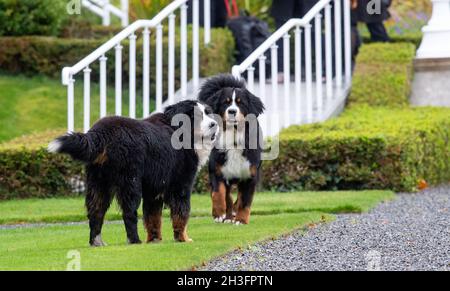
79 146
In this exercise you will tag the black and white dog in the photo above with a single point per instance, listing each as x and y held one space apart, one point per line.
136 159
236 159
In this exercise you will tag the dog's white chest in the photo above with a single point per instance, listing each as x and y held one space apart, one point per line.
236 166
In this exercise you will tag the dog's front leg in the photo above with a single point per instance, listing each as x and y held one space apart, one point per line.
219 205
180 215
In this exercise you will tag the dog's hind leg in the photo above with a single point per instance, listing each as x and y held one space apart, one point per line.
129 198
179 213
152 210
98 200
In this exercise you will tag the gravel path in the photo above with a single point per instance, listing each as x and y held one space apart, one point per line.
410 233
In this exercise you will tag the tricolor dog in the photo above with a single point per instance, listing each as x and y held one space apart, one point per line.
236 159
136 160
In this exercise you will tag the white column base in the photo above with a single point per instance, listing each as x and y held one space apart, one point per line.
436 35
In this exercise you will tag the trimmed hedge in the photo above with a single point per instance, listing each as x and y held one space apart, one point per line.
32 17
383 75
365 148
32 55
28 170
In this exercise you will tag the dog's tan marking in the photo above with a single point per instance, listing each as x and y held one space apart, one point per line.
152 224
180 229
219 206
218 170
243 215
229 203
101 158
253 170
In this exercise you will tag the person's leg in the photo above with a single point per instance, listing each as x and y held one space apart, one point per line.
378 32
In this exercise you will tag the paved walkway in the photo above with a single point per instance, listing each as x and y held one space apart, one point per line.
410 233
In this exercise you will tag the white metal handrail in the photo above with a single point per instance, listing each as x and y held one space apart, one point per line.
104 9
68 73
304 25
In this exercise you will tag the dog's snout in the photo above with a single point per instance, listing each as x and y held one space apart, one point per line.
212 125
232 111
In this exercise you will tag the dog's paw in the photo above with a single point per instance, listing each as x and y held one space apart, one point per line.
228 220
184 240
98 242
220 219
134 242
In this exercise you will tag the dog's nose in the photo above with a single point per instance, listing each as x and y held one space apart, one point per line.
232 111
212 125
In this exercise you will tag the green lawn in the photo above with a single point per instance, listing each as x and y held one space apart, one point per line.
47 247
72 209
39 103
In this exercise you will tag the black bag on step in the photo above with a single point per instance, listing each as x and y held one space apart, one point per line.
249 33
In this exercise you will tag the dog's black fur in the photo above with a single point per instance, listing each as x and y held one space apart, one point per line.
134 160
218 92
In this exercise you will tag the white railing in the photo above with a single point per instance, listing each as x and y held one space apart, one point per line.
130 33
105 9
292 113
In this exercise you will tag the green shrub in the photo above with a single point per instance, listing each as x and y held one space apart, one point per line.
48 55
383 75
365 148
86 30
31 17
27 170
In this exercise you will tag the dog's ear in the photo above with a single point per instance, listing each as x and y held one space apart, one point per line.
183 107
214 100
256 107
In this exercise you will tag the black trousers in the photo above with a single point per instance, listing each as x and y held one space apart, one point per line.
378 32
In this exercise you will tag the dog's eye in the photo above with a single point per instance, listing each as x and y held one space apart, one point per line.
228 100
238 100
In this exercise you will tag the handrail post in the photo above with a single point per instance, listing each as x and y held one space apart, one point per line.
183 41
103 87
106 13
328 53
308 63
132 85
159 67
124 5
348 41
286 78
207 21
195 45
146 73
118 56
319 71
171 57
338 41
87 99
298 73
70 104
